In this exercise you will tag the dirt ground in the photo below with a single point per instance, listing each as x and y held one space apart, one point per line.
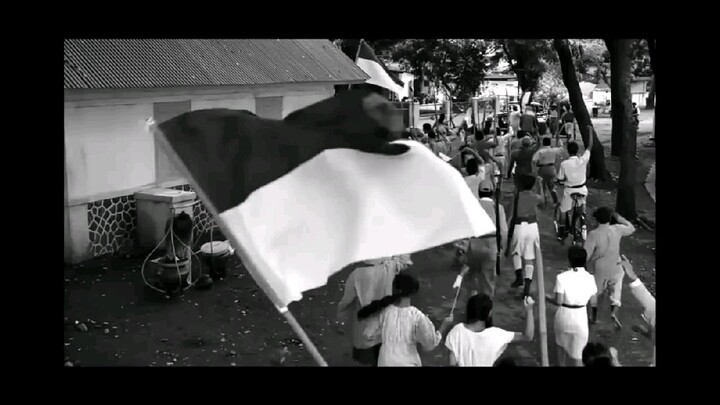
234 324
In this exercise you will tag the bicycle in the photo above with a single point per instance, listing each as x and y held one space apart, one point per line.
578 223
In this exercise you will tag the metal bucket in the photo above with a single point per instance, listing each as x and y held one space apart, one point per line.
214 257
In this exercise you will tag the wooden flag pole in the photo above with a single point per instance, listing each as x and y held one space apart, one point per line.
357 53
540 276
303 337
244 256
498 235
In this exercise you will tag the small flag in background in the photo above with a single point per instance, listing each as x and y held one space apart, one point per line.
378 72
306 196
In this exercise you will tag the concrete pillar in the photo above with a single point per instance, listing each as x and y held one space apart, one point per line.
416 114
77 235
475 117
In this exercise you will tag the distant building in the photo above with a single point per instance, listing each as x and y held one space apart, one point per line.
113 86
639 90
500 85
601 93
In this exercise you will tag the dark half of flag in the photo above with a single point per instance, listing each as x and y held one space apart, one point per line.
232 153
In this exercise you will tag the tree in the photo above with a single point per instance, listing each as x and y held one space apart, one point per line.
598 170
592 59
527 59
551 83
651 51
458 66
382 47
621 71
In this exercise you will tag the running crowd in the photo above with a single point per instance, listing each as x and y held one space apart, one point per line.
387 328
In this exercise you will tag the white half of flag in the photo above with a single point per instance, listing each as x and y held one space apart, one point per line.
378 75
344 206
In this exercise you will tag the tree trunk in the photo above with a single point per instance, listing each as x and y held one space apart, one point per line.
653 64
532 93
620 70
598 170
623 126
651 97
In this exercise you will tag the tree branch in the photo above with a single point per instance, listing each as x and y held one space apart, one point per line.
603 72
509 57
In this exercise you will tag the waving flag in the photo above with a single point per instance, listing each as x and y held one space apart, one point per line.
378 72
328 186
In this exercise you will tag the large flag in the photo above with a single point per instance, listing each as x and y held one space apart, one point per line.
378 72
328 186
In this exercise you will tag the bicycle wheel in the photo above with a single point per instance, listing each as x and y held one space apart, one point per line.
579 228
557 220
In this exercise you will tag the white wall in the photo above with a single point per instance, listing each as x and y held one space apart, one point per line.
237 102
640 99
107 148
293 102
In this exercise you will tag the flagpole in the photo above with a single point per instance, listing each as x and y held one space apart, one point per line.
244 256
541 306
357 53
411 106
498 235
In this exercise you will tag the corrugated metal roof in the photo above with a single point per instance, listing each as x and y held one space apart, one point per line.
153 63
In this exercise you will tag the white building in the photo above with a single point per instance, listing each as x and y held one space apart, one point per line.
113 86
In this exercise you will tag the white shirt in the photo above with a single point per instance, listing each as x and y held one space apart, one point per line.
576 286
473 182
477 349
364 285
574 169
502 143
401 329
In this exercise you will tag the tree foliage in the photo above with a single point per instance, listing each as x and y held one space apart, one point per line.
382 47
458 65
529 60
592 59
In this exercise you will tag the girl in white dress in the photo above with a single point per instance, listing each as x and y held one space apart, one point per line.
477 343
573 290
401 326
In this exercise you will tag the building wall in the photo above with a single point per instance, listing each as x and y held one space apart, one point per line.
499 88
110 155
107 150
639 90
295 102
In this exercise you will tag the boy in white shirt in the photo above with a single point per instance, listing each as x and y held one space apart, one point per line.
573 173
